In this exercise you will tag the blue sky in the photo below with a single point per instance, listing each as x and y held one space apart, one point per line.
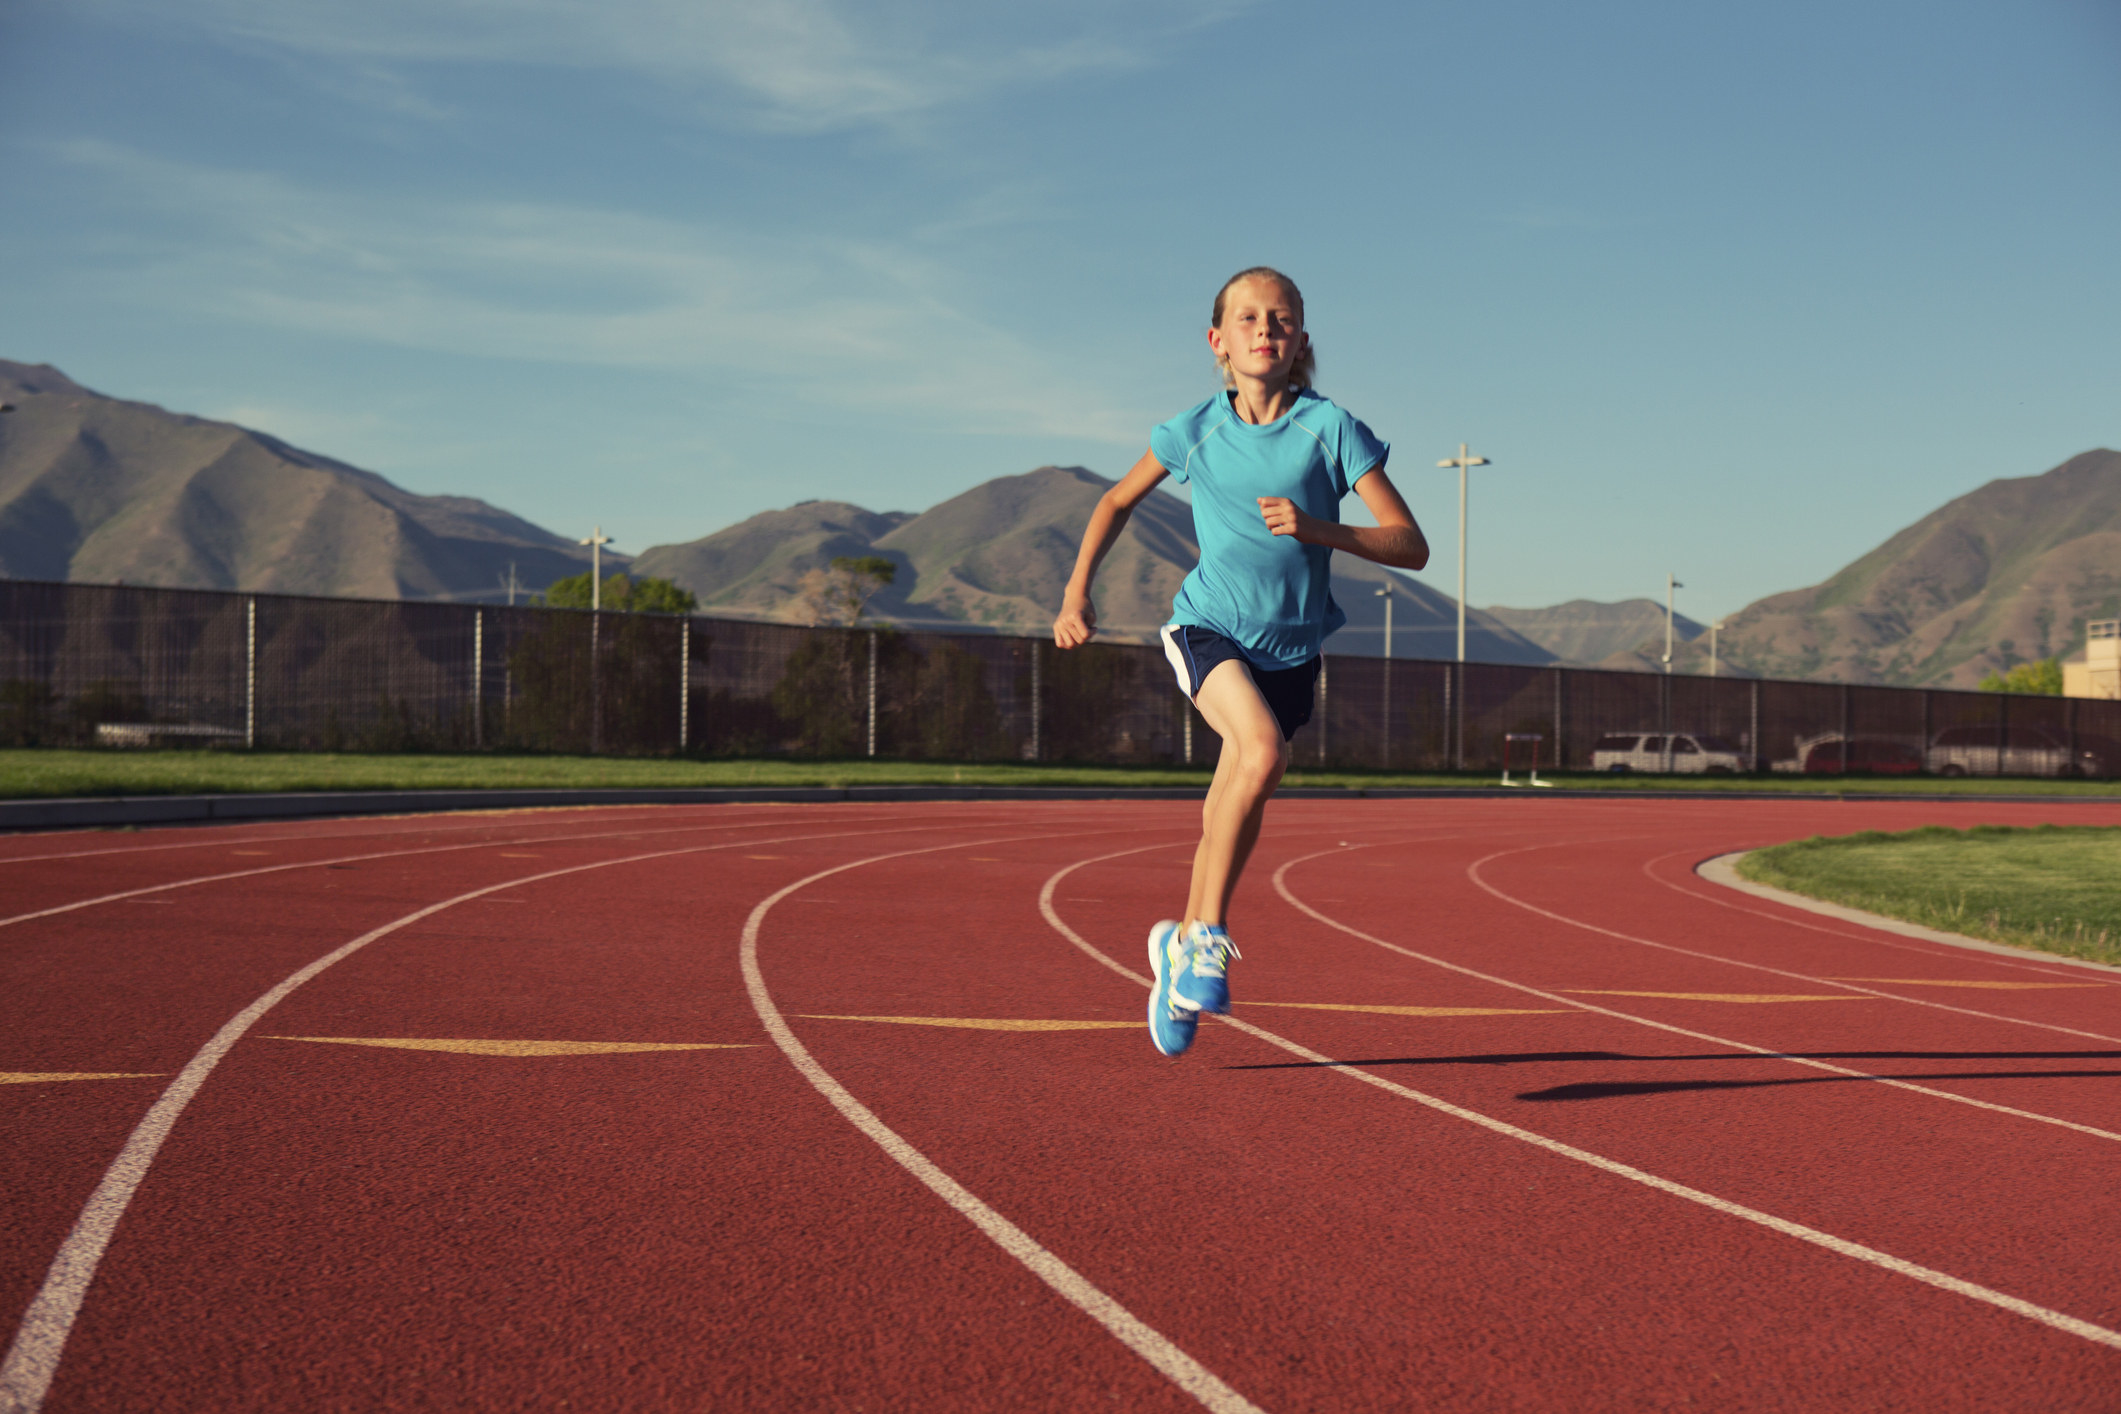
1729 290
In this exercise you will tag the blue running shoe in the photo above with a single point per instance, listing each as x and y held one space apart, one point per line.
1171 1022
1206 980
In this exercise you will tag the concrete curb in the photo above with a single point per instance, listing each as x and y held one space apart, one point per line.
108 811
1723 870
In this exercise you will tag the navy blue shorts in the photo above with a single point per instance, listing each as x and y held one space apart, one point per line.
1194 652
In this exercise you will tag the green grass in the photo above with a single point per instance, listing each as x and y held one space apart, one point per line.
2052 887
51 772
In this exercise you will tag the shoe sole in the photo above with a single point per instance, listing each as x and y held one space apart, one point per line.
1157 994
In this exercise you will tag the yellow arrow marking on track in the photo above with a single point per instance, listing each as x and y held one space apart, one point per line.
517 1048
980 1023
1955 982
35 1077
1416 1010
1713 996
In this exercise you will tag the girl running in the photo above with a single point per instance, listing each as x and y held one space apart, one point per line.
1269 461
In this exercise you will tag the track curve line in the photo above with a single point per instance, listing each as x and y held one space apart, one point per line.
1473 873
40 1340
1155 1348
1904 943
197 880
1840 1246
1764 1052
320 835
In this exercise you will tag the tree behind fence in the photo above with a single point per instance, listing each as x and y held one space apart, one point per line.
86 663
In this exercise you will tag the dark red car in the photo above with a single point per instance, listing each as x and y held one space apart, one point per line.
1879 756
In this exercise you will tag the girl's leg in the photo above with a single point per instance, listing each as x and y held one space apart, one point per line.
1253 759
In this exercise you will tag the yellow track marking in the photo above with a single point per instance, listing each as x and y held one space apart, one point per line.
516 1048
1416 1010
506 855
980 1023
1955 982
35 1077
1714 996
765 856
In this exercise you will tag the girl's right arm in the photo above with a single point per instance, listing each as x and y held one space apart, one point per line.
1078 616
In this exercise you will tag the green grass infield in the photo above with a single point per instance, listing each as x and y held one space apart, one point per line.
46 773
2052 887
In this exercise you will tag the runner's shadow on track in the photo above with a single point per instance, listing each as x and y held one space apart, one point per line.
1619 1089
1606 1090
1525 1058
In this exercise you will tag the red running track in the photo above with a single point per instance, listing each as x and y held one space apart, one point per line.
663 1108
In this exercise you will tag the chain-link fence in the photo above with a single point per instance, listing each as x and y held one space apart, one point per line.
87 664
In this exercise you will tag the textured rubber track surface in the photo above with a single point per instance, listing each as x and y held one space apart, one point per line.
818 1188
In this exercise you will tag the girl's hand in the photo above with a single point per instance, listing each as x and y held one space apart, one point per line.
1077 622
1283 518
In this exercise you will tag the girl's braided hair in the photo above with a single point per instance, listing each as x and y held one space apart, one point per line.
1304 373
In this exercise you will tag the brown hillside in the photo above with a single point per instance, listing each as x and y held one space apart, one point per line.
999 555
98 489
2003 575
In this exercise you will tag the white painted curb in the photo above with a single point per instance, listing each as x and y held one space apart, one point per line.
1723 869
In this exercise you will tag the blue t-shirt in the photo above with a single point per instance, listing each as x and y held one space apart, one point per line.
1270 594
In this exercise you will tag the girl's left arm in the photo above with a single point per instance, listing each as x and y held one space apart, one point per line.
1394 540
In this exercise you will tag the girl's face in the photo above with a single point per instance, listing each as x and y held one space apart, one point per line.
1261 333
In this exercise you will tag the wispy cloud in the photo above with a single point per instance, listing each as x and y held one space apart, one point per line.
811 322
802 64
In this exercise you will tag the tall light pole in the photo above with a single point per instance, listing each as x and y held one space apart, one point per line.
596 543
1715 627
1671 582
1384 592
1462 461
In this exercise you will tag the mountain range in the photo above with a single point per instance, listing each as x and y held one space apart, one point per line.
104 490
999 556
2006 574
100 489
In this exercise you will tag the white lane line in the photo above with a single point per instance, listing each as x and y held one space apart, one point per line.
1944 1281
319 836
363 858
1473 873
1765 1052
1718 870
1151 1345
33 1359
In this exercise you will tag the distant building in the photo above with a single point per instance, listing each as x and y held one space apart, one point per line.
2095 669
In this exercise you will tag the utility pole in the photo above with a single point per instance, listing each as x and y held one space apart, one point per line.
511 584
1671 583
1715 627
1462 461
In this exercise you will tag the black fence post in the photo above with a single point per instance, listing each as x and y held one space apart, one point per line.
1847 694
1561 735
1753 732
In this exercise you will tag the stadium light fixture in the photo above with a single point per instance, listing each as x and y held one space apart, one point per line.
596 543
1671 582
1462 461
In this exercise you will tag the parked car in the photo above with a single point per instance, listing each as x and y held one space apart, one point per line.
1878 755
2018 751
1681 753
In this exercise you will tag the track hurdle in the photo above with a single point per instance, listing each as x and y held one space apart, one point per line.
1510 739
